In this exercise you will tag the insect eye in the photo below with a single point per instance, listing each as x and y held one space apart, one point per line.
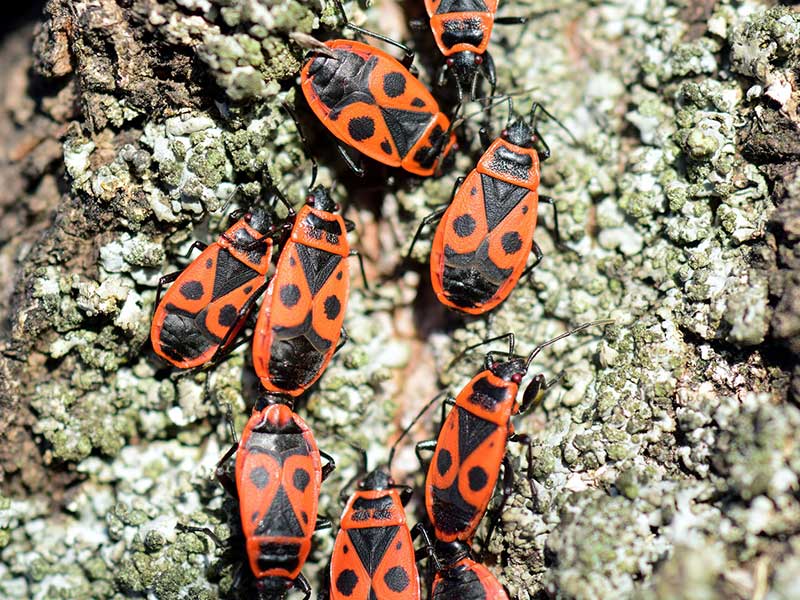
478 60
449 62
336 207
504 133
248 217
516 377
495 365
310 200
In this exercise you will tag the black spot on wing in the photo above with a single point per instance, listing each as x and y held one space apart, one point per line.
477 478
228 315
511 242
259 477
394 84
396 579
301 479
289 295
192 290
332 307
464 225
418 103
346 582
386 146
444 461
361 128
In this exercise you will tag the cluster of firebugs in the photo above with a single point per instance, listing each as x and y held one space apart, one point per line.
372 103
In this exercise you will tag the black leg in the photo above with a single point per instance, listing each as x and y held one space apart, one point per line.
203 530
409 58
327 469
165 279
556 230
361 267
344 338
243 312
508 489
489 360
435 215
525 440
489 72
510 20
301 584
537 253
486 140
536 389
359 171
222 475
427 220
196 245
322 523
426 446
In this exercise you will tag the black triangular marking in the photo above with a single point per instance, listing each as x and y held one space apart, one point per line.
499 199
280 519
317 265
453 6
371 544
230 274
472 431
405 126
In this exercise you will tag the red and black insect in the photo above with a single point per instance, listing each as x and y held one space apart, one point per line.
373 557
462 29
485 233
279 472
200 315
458 575
471 445
371 102
300 321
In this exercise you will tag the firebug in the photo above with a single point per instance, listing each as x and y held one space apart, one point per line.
300 321
371 102
471 446
277 481
485 232
208 302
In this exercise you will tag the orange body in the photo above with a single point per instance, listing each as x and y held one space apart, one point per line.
458 31
278 477
373 557
370 101
465 580
301 317
201 309
483 240
469 451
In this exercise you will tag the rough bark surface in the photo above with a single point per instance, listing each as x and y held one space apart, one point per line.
666 462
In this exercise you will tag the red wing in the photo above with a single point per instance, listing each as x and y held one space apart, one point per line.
349 578
257 486
302 480
396 577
